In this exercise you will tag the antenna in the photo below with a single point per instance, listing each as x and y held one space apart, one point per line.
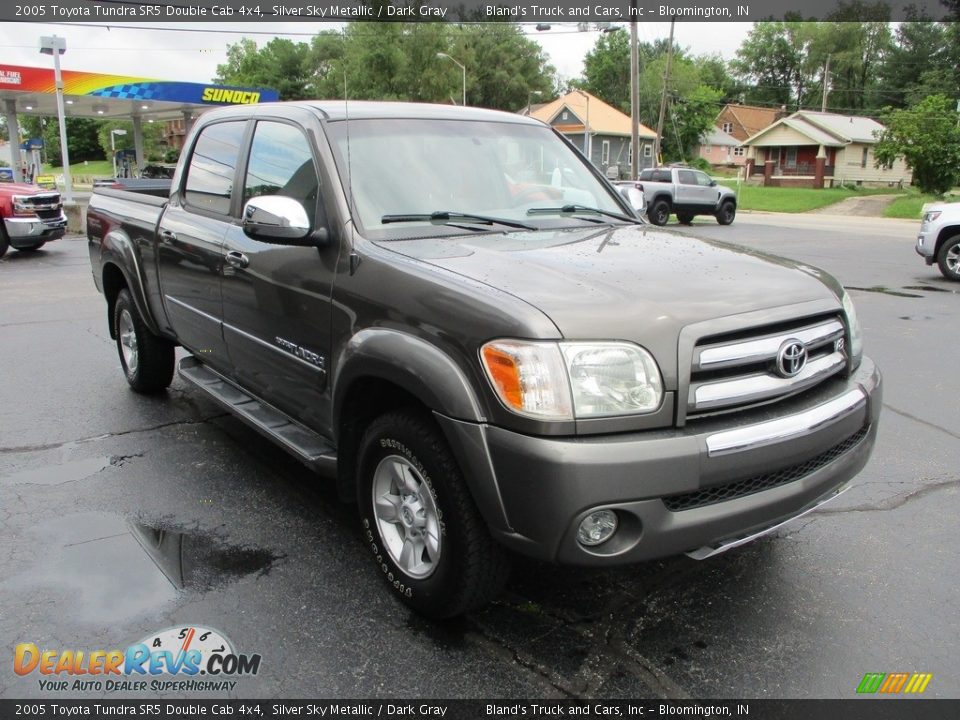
346 113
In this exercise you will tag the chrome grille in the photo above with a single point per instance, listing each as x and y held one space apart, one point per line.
41 201
741 369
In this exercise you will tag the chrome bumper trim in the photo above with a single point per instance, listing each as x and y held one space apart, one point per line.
32 227
708 551
775 431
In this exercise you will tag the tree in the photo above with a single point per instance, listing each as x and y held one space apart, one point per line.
927 137
689 121
82 140
280 64
773 63
153 144
606 69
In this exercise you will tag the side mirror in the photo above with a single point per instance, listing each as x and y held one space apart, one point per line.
634 197
713 183
280 220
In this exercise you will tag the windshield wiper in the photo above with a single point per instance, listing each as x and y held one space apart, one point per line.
575 209
446 216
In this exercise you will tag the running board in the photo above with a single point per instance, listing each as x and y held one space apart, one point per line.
307 446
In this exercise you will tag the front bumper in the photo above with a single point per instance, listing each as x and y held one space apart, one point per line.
27 231
925 246
695 489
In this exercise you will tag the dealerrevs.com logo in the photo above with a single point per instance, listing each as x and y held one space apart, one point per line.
176 659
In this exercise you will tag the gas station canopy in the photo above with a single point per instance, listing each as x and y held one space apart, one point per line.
97 95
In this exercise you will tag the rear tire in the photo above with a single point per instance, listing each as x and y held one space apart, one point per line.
948 259
147 360
659 212
4 240
727 212
685 218
420 522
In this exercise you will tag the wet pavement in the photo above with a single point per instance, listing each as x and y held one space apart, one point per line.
122 515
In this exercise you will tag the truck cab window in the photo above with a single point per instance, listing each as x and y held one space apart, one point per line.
212 167
281 163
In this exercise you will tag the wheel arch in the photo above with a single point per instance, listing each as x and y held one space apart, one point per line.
119 255
383 370
946 233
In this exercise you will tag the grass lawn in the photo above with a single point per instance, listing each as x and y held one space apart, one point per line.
93 168
910 206
798 200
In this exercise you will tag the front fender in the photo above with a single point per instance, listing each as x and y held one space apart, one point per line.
118 249
410 362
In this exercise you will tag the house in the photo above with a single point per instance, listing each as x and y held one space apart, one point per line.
788 152
586 119
743 121
720 148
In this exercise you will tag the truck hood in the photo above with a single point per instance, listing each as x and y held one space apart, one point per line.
630 283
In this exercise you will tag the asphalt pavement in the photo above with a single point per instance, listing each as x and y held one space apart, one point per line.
122 515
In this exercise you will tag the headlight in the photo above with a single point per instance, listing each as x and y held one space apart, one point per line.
20 205
551 381
856 338
612 378
930 216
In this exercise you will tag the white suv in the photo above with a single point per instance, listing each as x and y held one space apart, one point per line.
939 238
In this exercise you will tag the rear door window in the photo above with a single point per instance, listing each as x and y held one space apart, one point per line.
213 166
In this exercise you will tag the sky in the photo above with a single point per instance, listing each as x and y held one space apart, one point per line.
193 53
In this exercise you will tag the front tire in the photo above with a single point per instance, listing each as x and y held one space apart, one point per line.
659 213
147 360
685 218
419 520
727 212
948 259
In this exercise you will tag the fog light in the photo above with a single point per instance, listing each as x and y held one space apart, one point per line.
597 527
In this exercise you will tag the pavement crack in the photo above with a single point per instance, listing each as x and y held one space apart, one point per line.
929 424
104 436
894 502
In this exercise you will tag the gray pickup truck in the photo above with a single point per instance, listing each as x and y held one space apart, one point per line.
686 193
457 319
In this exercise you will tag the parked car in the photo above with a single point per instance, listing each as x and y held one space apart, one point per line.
483 363
158 171
31 217
687 193
939 238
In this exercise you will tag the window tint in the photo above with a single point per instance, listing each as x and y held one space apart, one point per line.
646 175
212 165
703 179
662 176
281 163
686 177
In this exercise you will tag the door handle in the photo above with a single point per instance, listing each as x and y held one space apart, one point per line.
237 259
168 236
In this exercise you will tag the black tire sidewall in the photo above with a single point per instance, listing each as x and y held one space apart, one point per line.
125 302
942 258
660 207
387 436
4 240
727 213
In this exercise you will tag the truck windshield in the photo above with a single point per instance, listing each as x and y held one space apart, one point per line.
437 168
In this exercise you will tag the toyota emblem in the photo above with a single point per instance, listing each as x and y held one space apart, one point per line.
791 358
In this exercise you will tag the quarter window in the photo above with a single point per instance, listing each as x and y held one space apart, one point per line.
213 165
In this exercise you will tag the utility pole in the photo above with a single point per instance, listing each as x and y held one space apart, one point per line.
663 98
634 95
826 85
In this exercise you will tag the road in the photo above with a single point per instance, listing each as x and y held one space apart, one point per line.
122 515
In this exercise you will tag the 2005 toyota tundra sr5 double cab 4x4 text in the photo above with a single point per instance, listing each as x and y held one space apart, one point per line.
457 317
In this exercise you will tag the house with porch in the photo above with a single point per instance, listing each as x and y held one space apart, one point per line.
817 149
600 131
742 121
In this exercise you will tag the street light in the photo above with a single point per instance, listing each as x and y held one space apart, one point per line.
113 149
463 69
57 46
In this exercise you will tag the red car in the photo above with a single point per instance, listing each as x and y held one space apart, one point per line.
31 217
